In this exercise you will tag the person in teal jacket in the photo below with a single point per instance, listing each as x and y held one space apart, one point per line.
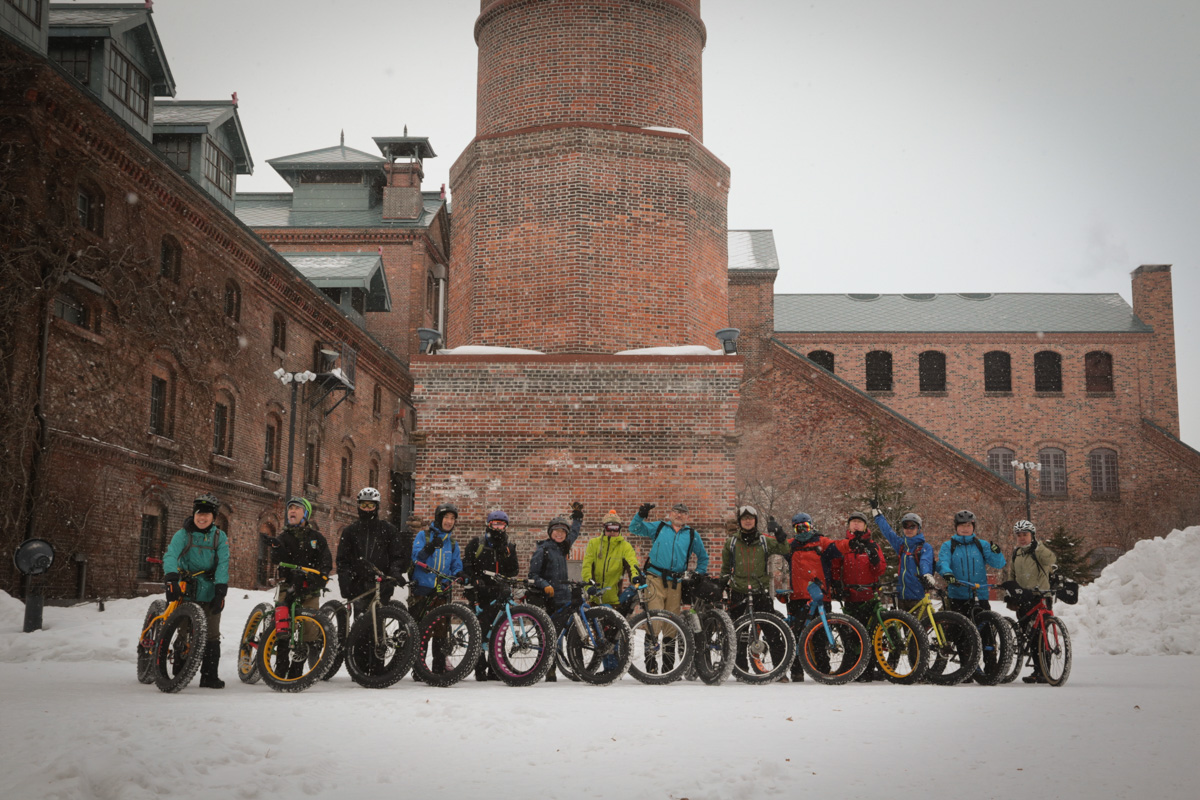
198 558
964 559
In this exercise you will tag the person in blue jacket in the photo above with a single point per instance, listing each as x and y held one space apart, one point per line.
914 572
964 559
439 553
548 566
198 558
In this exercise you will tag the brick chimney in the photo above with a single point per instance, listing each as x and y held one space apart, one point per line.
1153 305
402 194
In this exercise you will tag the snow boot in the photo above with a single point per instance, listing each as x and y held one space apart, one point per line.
208 667
481 669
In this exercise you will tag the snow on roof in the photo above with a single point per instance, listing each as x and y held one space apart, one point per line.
485 350
680 350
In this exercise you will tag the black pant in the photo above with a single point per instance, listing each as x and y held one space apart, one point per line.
799 610
739 606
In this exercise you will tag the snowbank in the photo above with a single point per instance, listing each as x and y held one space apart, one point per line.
487 350
1144 603
680 350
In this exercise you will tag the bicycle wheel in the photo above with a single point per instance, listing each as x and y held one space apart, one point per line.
900 646
998 644
522 645
382 646
600 653
957 654
1054 652
180 648
339 615
838 660
562 660
716 644
1020 652
247 662
765 649
148 640
293 660
449 646
661 647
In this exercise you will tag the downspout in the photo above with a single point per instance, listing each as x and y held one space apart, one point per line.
40 433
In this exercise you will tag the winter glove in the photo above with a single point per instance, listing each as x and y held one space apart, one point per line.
219 592
873 556
577 510
426 552
875 513
171 586
929 581
995 547
645 509
776 530
400 581
837 589
549 590
273 541
1032 545
950 579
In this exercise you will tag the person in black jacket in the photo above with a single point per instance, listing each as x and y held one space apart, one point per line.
491 552
303 545
548 566
371 542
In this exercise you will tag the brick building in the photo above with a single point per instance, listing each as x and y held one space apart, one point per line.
144 322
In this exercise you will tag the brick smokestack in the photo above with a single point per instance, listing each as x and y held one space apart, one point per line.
402 194
1153 304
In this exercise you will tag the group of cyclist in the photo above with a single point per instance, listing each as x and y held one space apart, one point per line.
821 569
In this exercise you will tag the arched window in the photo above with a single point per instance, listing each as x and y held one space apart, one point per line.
1104 472
89 207
312 461
822 358
373 474
347 477
263 561
1054 471
997 371
1047 371
879 371
223 408
153 541
377 400
1098 369
279 332
233 301
162 400
931 368
272 443
999 461
169 258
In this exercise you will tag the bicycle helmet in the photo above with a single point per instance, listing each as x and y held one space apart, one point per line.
1024 526
206 502
801 518
747 511
443 510
369 494
304 504
496 516
910 517
558 522
963 517
858 515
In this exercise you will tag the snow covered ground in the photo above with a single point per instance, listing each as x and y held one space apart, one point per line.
76 724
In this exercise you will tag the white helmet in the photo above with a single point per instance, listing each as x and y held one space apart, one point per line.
1024 526
369 493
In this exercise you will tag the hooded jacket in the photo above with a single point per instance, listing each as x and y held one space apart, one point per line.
208 554
916 559
605 560
967 559
855 568
304 547
745 565
483 554
373 541
1031 569
807 564
548 564
444 559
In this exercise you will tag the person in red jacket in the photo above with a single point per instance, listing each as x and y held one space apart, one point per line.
855 574
809 562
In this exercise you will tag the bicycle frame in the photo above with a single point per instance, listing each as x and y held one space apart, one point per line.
518 584
1039 613
295 634
171 606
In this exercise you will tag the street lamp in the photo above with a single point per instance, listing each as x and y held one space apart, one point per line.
1027 466
295 379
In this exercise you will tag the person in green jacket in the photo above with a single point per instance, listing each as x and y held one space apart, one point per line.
606 557
201 547
1029 568
745 572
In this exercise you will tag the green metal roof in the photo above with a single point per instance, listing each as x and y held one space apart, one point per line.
346 271
752 250
955 313
394 147
205 116
110 20
337 157
274 210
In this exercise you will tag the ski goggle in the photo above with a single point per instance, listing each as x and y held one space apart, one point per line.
497 524
802 527
368 505
907 525
612 526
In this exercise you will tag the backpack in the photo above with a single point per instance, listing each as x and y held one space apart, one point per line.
955 545
654 538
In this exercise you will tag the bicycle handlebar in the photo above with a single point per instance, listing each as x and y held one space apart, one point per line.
322 575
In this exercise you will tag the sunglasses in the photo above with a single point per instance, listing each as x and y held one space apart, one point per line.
368 504
908 525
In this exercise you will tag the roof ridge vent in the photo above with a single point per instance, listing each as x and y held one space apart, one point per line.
976 295
921 297
863 297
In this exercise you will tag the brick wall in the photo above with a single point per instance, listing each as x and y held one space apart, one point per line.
588 239
623 62
532 434
104 469
1153 304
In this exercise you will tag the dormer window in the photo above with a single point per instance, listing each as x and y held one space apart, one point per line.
128 84
30 9
76 59
177 150
218 167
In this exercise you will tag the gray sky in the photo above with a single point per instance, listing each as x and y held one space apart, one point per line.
916 146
